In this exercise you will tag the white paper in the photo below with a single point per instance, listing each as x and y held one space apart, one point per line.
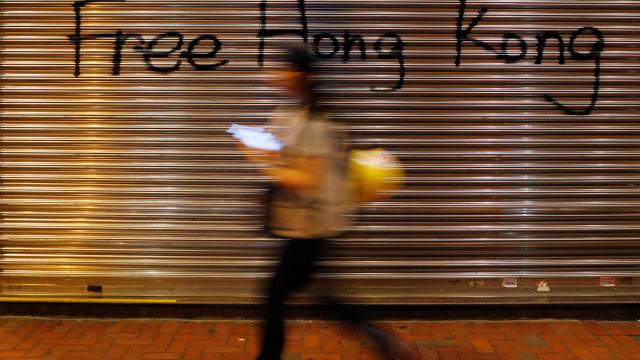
255 137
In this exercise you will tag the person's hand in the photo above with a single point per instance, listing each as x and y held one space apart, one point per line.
258 156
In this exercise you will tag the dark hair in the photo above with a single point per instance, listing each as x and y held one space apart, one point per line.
298 57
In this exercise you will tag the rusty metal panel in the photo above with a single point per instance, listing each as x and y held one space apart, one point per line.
517 122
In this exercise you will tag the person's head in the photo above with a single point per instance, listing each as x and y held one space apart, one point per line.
296 71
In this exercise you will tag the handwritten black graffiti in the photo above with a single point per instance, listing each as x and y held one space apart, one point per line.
193 57
595 54
146 48
396 50
389 45
265 33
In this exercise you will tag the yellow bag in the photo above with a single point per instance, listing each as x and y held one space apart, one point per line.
374 174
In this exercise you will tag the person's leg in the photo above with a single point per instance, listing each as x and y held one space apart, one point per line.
297 263
389 346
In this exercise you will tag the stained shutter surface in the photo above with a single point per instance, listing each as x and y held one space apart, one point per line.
514 168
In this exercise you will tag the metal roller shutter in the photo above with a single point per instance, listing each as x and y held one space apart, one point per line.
518 167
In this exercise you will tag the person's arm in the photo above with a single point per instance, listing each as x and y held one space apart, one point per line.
302 173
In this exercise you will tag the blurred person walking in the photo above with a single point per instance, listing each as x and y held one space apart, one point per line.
308 203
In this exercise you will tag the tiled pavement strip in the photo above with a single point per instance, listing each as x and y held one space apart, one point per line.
35 338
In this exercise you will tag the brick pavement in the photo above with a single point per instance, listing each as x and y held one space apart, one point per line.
30 338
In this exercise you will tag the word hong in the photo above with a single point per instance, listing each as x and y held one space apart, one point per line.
396 52
595 54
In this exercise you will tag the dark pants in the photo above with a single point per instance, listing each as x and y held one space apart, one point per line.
297 264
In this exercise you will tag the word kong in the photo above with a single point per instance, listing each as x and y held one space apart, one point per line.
595 54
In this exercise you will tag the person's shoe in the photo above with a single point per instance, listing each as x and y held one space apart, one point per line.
391 347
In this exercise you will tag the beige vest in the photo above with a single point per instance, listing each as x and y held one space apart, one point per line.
324 211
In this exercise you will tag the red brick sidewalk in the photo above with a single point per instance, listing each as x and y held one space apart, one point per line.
237 340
